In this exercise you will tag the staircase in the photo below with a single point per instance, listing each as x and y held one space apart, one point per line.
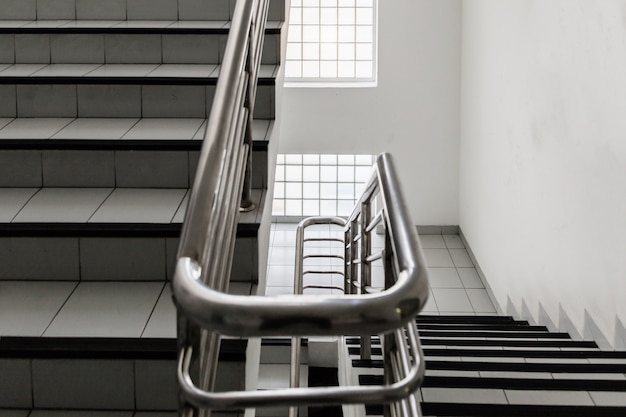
103 111
498 366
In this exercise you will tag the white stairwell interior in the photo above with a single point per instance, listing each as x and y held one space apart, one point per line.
102 114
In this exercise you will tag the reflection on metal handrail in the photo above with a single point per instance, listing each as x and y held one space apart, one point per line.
389 311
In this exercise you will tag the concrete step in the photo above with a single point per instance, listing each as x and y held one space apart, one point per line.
125 90
123 42
68 231
112 152
27 10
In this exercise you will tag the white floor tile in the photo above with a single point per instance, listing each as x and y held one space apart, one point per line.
106 309
4 66
144 24
280 275
444 278
46 24
139 206
179 217
91 24
12 200
5 120
200 132
461 258
432 242
154 129
260 129
452 300
548 397
96 128
570 375
480 301
470 278
71 205
33 128
453 242
199 24
431 305
438 258
27 308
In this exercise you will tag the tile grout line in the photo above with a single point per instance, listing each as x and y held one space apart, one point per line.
101 204
152 311
61 308
26 203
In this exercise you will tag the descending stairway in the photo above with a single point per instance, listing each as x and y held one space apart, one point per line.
104 105
497 366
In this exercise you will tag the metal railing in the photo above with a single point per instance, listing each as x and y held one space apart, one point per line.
222 185
200 285
390 312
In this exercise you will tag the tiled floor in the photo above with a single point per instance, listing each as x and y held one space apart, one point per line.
455 285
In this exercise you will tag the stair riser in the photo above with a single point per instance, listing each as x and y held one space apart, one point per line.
126 9
107 259
105 384
121 49
107 168
90 100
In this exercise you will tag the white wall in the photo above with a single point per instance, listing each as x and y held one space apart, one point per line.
413 113
543 153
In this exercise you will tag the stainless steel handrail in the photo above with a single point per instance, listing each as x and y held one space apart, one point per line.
305 315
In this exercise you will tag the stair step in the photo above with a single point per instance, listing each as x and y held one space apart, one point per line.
469 320
28 10
505 410
118 94
106 374
112 152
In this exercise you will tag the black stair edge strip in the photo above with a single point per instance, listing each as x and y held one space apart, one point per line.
114 144
461 319
484 327
123 30
106 348
119 230
578 368
509 410
522 353
85 80
510 383
488 334
282 341
559 343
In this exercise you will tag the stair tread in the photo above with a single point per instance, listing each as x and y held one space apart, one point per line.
117 73
124 26
40 208
108 310
19 133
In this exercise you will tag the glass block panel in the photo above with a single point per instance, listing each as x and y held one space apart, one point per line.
362 173
364 15
310 207
328 173
280 173
328 190
345 191
310 33
293 159
364 69
295 34
346 33
278 207
311 159
345 69
293 69
310 69
311 190
293 207
364 159
346 3
328 51
311 3
311 51
328 69
328 159
364 51
346 15
311 16
345 159
345 173
293 173
364 34
293 190
344 207
311 173
328 207
279 190
294 51
295 16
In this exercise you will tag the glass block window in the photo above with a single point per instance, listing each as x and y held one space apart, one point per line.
319 185
331 40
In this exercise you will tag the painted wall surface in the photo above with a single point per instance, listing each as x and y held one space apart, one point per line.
543 154
412 113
